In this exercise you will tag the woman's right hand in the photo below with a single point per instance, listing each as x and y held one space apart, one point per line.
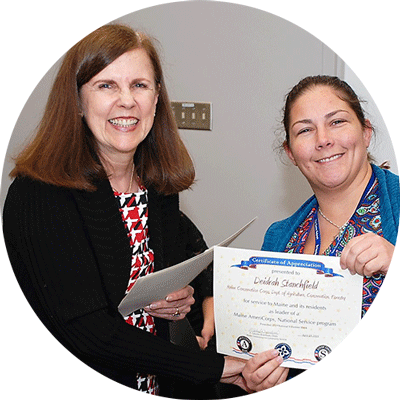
174 307
232 372
261 372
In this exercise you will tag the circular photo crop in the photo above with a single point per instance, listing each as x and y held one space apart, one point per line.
200 200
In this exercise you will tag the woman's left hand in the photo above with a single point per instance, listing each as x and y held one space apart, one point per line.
209 323
367 255
206 334
175 306
263 371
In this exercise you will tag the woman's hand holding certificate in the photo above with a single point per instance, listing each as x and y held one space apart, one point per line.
264 371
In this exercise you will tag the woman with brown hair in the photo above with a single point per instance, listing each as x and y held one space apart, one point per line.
354 212
94 205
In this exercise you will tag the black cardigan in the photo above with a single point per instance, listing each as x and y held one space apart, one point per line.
70 253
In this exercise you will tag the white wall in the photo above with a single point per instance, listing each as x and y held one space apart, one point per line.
381 146
244 61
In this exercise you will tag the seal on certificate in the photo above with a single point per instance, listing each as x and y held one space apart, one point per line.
321 352
244 344
284 349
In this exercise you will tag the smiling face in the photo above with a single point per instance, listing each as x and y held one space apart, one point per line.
327 141
119 104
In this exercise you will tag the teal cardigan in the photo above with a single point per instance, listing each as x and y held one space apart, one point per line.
279 233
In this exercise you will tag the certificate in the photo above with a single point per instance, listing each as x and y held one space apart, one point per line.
301 305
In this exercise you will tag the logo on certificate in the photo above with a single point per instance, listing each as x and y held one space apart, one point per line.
244 344
321 352
284 349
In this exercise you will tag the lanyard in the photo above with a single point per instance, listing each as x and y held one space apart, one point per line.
318 237
317 231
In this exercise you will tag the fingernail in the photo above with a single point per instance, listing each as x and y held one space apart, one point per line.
275 353
167 298
280 360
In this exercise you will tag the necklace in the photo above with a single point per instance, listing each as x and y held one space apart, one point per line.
341 228
130 183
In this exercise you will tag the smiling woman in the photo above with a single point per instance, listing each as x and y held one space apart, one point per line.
94 206
95 72
354 213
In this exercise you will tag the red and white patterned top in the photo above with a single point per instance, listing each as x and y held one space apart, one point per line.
134 211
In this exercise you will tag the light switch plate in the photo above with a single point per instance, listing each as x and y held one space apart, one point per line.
193 115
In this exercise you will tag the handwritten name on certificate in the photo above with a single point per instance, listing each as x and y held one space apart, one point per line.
302 305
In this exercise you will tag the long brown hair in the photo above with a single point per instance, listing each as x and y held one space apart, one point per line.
64 151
